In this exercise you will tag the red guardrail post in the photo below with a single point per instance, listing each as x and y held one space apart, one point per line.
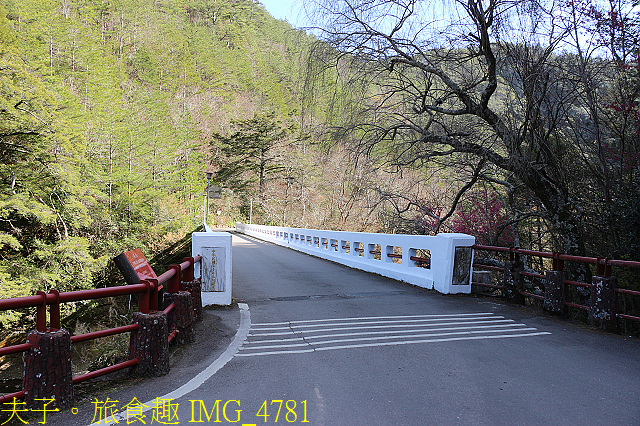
153 300
144 301
514 256
173 286
188 273
41 312
558 262
54 311
603 269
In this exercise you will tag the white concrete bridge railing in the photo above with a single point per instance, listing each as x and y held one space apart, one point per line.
442 262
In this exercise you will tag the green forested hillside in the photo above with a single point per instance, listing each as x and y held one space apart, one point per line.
107 108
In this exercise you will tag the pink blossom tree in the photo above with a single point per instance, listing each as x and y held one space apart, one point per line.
484 215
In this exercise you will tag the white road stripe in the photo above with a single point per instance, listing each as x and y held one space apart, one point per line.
412 331
405 342
418 336
462 320
278 352
379 331
273 328
277 340
321 336
339 324
371 318
294 345
450 339
373 326
357 339
273 334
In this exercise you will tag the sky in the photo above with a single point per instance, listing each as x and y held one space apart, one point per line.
288 10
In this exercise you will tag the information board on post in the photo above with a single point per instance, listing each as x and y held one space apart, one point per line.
134 266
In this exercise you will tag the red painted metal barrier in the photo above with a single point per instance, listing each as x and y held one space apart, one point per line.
148 303
169 308
603 270
535 296
575 305
172 335
625 291
106 370
10 396
14 349
578 284
104 333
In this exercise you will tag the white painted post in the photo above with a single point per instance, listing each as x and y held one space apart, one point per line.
444 259
215 267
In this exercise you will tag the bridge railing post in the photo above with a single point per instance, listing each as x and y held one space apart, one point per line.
144 300
554 291
149 344
513 278
194 287
554 287
602 309
47 370
181 316
153 300
187 274
451 262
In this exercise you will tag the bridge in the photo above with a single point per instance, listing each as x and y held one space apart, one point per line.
312 341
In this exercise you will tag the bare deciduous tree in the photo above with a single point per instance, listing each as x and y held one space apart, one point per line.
494 90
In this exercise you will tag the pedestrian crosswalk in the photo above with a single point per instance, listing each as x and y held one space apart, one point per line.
359 332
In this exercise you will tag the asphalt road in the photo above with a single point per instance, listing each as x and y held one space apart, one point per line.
312 342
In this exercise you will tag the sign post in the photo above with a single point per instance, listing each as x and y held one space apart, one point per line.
206 209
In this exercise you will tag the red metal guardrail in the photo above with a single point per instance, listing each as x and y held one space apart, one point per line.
147 303
602 269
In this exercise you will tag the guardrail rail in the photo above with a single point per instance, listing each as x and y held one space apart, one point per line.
562 286
53 341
